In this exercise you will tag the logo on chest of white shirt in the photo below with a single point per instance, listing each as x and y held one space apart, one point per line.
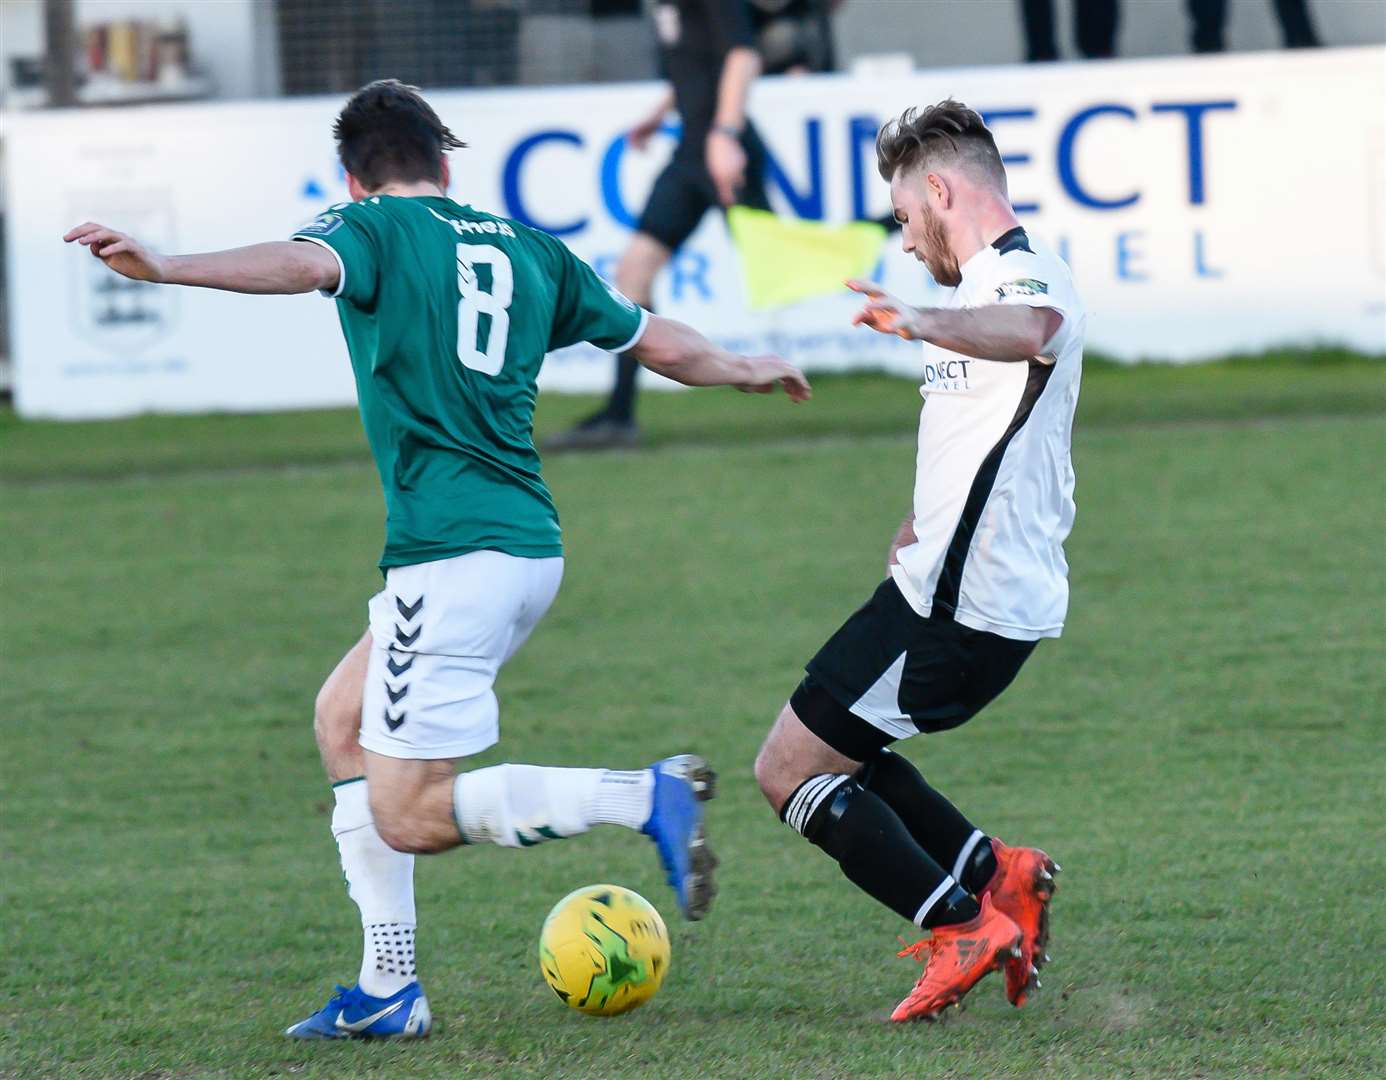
947 375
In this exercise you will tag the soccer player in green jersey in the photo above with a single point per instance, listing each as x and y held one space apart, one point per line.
448 312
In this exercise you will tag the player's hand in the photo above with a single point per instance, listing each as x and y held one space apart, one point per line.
726 164
903 538
885 313
767 372
639 136
123 254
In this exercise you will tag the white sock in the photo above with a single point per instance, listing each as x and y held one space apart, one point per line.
621 798
387 959
381 882
524 805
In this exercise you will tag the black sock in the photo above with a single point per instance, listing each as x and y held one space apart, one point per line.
621 406
935 823
875 850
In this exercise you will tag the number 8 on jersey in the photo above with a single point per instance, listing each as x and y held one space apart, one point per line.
487 355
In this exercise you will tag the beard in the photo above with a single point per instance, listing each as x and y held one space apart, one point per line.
940 261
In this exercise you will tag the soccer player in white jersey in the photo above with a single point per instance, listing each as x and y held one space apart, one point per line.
976 574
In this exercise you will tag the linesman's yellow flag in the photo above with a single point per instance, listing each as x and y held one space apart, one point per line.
784 260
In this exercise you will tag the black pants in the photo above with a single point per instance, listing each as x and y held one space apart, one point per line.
1209 17
1094 28
684 191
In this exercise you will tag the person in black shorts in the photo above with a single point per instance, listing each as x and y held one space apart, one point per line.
708 53
976 575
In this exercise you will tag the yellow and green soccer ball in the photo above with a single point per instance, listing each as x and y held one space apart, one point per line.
604 950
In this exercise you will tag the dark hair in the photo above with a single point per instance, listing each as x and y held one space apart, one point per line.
948 131
388 133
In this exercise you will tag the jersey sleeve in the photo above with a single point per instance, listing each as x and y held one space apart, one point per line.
587 308
345 232
1038 282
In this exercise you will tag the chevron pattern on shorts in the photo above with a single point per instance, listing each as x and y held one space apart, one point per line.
397 662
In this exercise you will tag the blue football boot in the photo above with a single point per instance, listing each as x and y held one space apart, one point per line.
352 1014
677 828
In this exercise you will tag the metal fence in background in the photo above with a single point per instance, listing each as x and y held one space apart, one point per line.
334 46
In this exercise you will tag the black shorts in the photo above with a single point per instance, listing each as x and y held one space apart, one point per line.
890 673
683 192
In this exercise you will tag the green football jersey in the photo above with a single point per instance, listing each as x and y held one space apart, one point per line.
447 313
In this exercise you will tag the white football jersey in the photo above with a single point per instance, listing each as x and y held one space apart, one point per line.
993 489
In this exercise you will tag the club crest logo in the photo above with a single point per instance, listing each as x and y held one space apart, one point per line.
116 313
324 224
620 297
1026 286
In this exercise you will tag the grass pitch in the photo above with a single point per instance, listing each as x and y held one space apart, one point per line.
1202 750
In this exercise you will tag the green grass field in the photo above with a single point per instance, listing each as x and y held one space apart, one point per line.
1202 750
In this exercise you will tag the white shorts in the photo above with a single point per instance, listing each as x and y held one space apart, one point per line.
441 632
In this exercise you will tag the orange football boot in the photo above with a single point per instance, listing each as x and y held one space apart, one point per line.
1022 887
959 957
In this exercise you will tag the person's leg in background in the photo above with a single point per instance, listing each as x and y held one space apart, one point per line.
644 258
676 205
1296 27
1037 21
1095 28
1208 18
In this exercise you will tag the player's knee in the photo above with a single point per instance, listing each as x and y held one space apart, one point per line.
773 776
335 726
767 780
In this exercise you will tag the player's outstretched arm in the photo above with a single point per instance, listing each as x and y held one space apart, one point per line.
993 332
679 352
282 266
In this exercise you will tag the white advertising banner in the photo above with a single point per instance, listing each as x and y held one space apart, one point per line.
1206 205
